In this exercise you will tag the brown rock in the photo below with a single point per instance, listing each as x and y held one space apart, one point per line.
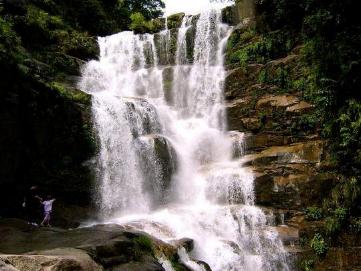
75 260
238 80
347 259
5 266
277 101
300 108
288 235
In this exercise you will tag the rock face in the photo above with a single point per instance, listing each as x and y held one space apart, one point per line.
288 176
284 149
47 138
97 248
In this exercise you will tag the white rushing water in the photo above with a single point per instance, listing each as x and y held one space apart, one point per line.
166 159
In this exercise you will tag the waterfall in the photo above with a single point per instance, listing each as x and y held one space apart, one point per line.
167 164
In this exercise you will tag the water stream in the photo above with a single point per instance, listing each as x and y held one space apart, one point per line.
165 164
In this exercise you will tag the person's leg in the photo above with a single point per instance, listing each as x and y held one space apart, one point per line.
44 222
32 214
49 218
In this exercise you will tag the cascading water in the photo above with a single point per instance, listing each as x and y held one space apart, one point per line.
165 161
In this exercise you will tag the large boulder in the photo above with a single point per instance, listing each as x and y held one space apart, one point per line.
109 247
159 162
57 260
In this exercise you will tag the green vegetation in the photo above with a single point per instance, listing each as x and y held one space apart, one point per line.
356 225
319 245
313 213
141 25
144 243
257 48
307 265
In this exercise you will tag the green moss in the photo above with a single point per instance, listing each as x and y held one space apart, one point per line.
177 266
175 20
71 93
144 243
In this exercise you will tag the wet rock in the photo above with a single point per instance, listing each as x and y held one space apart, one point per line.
190 39
159 162
205 265
175 20
288 235
186 243
166 46
94 248
168 84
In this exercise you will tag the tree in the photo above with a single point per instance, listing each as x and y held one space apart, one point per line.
149 8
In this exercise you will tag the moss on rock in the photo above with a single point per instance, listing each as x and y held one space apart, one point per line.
175 20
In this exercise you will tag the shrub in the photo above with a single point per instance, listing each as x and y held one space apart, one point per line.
332 226
313 213
347 194
356 225
349 125
139 24
319 245
335 223
8 37
341 214
307 265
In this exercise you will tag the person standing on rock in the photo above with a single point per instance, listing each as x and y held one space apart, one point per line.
32 206
48 208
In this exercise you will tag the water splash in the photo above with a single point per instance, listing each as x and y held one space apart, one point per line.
166 159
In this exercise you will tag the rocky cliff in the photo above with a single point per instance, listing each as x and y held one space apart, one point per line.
295 173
